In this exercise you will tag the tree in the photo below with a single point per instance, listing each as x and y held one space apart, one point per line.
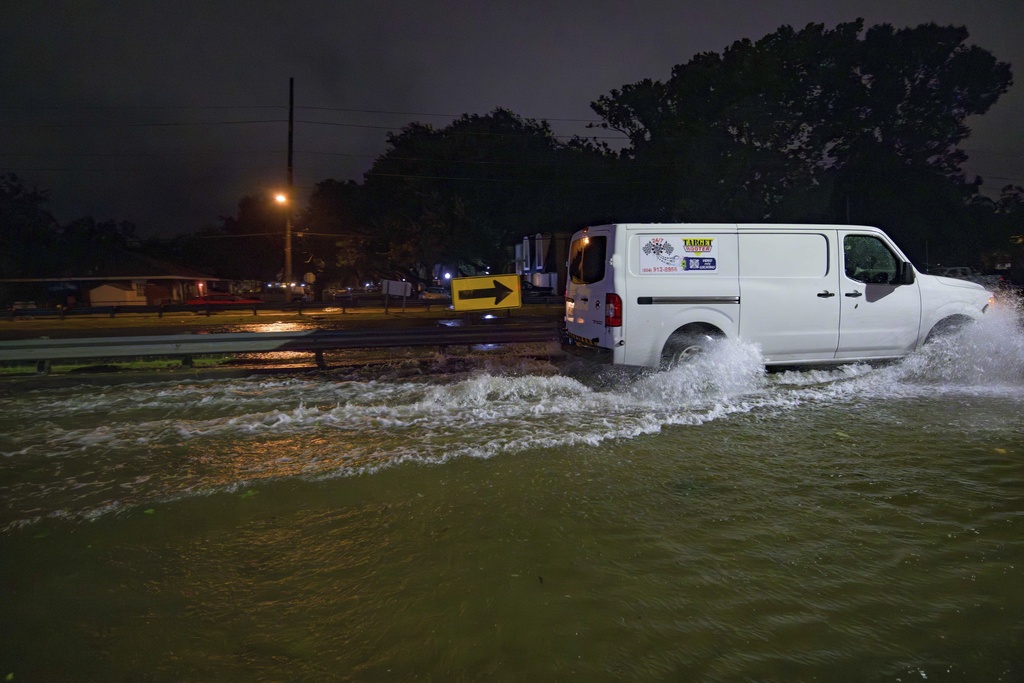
466 193
247 246
27 230
341 240
767 129
88 246
1002 224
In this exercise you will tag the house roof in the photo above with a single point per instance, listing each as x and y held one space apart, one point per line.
124 287
121 264
118 264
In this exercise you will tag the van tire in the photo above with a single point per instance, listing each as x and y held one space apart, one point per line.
947 327
686 344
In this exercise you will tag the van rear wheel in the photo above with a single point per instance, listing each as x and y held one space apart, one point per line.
684 346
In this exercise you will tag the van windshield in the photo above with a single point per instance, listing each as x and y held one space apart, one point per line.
587 259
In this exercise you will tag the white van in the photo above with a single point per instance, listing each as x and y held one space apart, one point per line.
805 294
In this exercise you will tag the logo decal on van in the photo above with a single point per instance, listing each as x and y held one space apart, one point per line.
658 246
659 257
698 245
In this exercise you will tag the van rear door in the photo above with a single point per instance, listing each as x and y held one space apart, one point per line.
590 279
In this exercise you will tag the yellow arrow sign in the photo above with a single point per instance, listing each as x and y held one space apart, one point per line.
481 293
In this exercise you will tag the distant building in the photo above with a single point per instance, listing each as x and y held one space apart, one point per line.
118 294
119 278
541 259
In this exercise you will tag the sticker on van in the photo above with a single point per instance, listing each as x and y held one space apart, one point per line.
659 256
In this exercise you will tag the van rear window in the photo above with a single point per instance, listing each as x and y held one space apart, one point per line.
587 259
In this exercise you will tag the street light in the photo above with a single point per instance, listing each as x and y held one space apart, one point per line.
282 199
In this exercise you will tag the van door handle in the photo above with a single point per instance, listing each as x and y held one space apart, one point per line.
826 294
584 299
854 295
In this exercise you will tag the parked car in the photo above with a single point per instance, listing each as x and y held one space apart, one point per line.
990 279
437 293
530 289
222 300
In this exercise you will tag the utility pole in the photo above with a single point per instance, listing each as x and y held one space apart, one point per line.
291 196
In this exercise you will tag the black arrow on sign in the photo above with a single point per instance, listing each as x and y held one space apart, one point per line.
499 292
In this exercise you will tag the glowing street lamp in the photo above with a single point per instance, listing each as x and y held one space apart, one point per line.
282 198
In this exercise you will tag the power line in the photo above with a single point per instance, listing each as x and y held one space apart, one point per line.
108 107
351 110
414 113
270 152
183 124
199 152
466 133
169 124
211 173
114 124
508 180
185 107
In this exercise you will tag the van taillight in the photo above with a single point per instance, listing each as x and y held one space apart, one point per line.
612 311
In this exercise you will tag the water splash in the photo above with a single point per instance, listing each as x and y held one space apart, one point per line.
726 369
989 353
84 452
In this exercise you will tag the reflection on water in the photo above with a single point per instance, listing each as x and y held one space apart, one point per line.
278 326
518 518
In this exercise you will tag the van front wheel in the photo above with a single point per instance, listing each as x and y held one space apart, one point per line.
947 328
684 346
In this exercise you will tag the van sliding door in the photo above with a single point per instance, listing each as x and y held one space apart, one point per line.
789 284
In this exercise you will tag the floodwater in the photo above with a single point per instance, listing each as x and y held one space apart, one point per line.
517 520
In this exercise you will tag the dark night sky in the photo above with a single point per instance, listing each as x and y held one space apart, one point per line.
166 113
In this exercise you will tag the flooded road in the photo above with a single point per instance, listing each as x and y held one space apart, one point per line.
511 519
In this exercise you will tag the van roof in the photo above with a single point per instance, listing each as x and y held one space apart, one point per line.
732 226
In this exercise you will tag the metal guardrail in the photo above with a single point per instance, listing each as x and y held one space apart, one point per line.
163 309
298 307
45 351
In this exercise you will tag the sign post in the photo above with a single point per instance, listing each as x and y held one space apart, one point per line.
392 288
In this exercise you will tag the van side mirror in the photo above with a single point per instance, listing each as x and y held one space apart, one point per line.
905 274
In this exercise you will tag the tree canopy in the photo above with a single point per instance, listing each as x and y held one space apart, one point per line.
27 230
802 125
461 195
470 189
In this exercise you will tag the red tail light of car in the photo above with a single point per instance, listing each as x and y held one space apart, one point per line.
612 310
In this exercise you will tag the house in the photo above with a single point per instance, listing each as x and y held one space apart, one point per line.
118 294
118 277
